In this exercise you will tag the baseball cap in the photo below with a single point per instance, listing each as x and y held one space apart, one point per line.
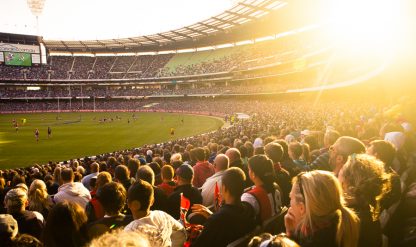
185 171
8 226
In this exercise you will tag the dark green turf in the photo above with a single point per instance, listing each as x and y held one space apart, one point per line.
73 139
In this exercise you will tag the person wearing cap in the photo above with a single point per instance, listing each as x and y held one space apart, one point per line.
29 222
8 229
185 175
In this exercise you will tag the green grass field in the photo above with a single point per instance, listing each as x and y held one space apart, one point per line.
72 138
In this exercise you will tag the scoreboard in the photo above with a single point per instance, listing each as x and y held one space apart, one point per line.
19 55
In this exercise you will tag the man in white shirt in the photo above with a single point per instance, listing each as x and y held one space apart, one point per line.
161 229
221 164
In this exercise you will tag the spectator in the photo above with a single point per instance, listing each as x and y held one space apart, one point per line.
66 226
8 229
167 185
266 239
145 173
264 196
221 164
159 227
39 200
94 209
317 215
202 169
184 175
95 169
122 175
133 166
342 148
29 222
72 191
295 153
112 197
365 183
233 220
322 161
121 239
274 151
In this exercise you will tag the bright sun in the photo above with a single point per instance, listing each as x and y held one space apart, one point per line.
373 24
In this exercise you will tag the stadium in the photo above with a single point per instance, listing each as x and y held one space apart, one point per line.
240 123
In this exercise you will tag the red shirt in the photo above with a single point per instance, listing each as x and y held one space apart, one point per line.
167 188
202 171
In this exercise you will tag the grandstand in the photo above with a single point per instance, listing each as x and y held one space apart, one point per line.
256 120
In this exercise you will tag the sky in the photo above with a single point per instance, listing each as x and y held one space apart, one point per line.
106 19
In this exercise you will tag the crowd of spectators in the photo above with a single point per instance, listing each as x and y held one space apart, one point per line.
149 66
345 171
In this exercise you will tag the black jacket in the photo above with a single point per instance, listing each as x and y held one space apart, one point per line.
230 223
174 200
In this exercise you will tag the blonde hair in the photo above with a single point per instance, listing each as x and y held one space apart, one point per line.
119 238
38 196
322 196
366 180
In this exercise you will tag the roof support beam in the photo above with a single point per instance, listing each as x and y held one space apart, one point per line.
211 26
241 15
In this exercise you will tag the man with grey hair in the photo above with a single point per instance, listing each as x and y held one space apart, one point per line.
29 222
221 164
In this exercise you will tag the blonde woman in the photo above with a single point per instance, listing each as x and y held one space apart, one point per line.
39 200
365 183
317 215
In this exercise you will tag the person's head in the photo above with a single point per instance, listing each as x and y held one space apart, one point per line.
185 174
261 172
342 148
8 228
119 238
67 175
133 166
285 147
382 150
295 150
65 225
146 173
155 167
121 173
167 173
221 162
233 154
175 157
103 178
140 198
15 201
112 197
197 154
364 181
274 151
95 167
330 137
268 240
38 196
316 197
232 186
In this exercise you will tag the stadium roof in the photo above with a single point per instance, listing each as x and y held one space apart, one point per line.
214 29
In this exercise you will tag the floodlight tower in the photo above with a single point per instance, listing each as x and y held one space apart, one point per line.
36 7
